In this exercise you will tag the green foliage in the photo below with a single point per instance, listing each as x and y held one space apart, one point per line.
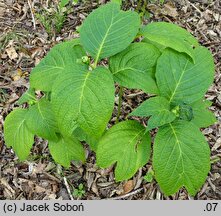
54 17
78 100
63 3
61 58
127 144
83 98
185 112
108 30
202 116
181 157
149 176
181 80
43 17
117 1
142 7
79 192
41 120
27 97
157 1
16 133
66 149
171 36
134 67
7 36
159 110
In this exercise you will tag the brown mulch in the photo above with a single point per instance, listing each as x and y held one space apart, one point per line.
22 47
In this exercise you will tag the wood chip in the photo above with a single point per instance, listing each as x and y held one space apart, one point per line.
217 144
11 52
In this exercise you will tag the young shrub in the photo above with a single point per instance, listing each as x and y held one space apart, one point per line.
78 100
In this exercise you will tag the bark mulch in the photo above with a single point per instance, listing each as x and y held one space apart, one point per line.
24 41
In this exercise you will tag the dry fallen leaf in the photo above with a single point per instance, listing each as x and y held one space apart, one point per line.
37 188
128 186
170 10
38 169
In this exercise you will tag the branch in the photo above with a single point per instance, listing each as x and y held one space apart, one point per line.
32 14
126 195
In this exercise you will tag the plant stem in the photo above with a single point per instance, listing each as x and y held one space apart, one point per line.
96 61
119 103
139 3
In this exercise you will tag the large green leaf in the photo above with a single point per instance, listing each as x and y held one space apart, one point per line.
108 30
65 150
202 117
62 57
16 133
171 35
84 98
157 45
159 110
127 144
41 120
180 80
133 67
181 157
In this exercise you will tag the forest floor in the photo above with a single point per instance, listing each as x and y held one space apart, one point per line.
27 32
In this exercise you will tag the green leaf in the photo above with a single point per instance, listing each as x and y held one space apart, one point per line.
149 176
133 67
181 157
180 80
157 45
65 150
185 112
63 3
83 136
202 117
41 121
172 36
61 58
27 97
159 110
85 99
108 30
128 145
16 133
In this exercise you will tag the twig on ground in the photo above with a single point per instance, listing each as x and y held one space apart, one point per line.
201 14
119 103
211 184
134 94
68 188
126 195
32 14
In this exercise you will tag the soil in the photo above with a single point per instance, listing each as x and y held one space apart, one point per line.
24 41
